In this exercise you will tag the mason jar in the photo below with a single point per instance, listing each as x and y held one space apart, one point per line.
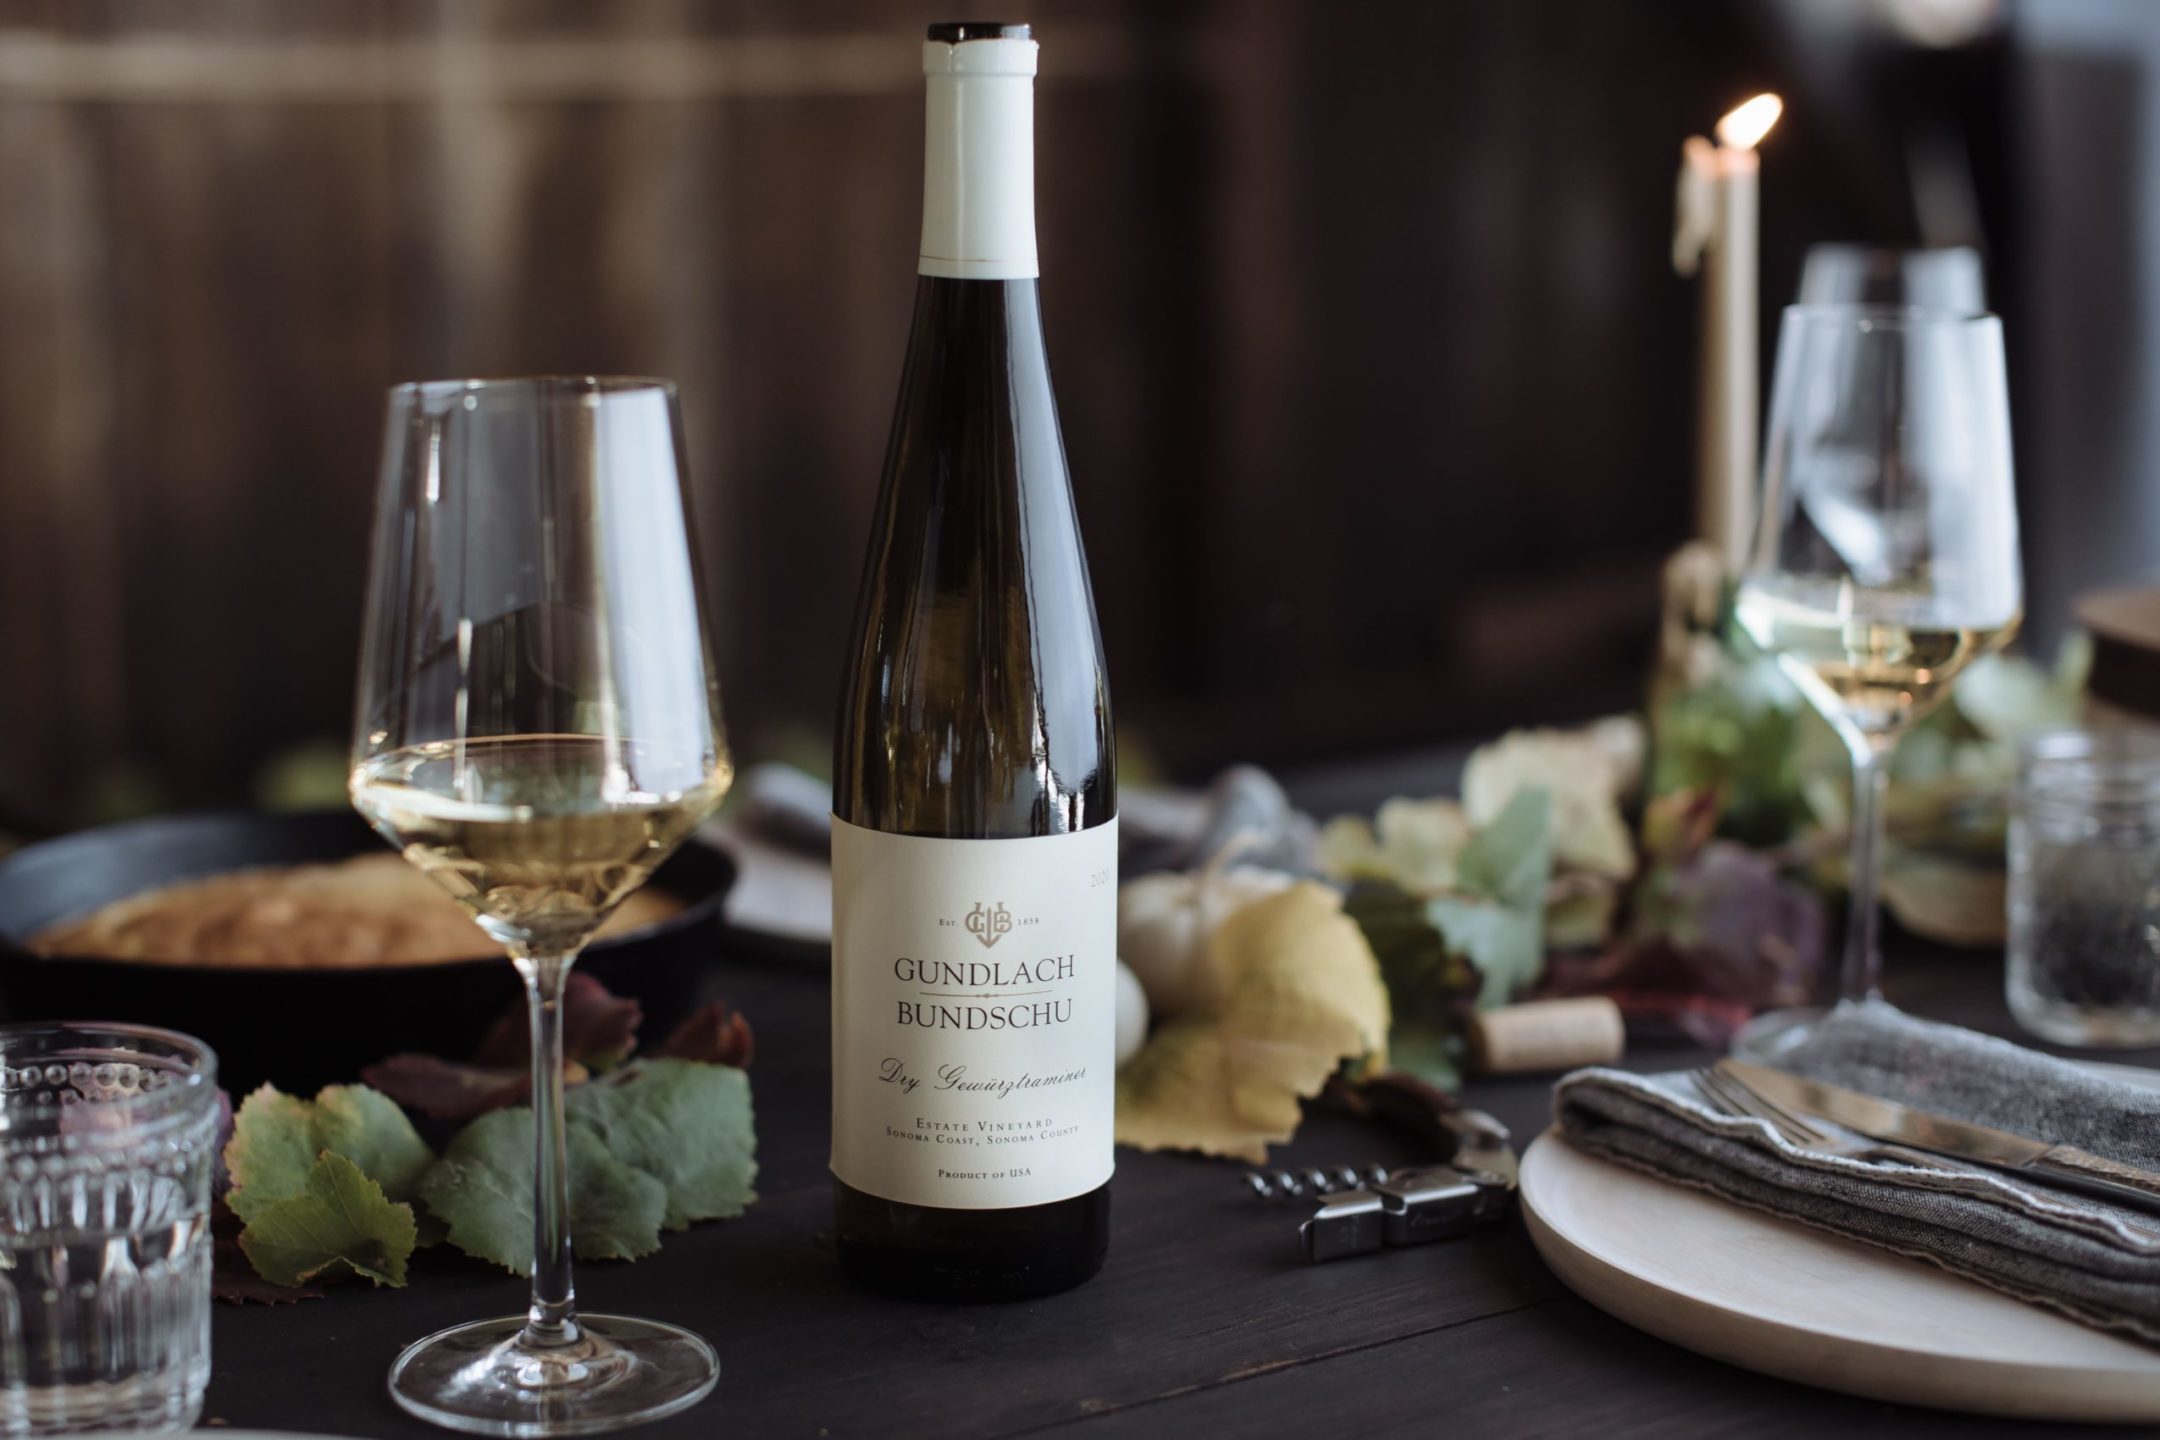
2084 892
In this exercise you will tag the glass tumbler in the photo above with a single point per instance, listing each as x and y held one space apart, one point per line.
2084 959
108 1137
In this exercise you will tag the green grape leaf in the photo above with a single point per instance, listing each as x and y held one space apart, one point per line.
1511 860
1428 983
429 1227
1434 1056
278 1139
339 1223
686 1124
1507 946
1498 921
1737 734
482 1191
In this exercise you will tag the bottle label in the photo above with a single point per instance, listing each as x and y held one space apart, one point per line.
974 1016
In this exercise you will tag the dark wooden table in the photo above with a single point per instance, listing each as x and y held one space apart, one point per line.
1203 1322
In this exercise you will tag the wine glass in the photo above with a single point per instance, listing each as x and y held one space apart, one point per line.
1886 551
1944 277
538 728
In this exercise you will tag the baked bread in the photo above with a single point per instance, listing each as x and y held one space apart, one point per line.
366 911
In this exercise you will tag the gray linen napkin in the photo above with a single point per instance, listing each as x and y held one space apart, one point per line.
2091 1261
1158 829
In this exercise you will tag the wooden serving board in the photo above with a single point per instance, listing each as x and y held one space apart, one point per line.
2125 629
1777 1297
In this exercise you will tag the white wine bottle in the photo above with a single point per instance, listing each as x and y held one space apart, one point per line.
975 780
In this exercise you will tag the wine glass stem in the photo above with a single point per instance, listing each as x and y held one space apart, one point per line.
552 1320
1862 977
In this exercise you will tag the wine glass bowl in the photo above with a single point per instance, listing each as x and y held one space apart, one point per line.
540 837
1885 559
537 729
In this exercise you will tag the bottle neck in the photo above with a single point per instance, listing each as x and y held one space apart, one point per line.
998 326
979 160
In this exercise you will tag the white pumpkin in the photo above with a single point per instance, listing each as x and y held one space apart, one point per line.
1164 921
1132 1014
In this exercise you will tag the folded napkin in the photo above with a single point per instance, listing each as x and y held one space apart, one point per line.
2092 1261
1158 829
780 833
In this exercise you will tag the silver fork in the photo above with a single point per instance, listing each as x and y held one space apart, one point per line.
1734 1096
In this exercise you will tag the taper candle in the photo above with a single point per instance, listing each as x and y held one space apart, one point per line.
1719 204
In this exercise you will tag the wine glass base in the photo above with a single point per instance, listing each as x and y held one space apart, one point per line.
1766 1038
479 1379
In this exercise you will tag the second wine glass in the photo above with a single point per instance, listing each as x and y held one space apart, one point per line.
538 728
1886 551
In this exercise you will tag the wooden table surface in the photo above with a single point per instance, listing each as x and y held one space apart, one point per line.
1203 1322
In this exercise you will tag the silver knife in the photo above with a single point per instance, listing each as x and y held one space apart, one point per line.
1895 1124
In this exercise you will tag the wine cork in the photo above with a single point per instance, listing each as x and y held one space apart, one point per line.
1547 1035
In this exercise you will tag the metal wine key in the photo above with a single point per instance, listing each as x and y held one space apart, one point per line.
1312 1183
1361 1209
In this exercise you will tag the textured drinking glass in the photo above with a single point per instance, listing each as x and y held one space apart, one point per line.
108 1135
1885 559
538 728
2084 963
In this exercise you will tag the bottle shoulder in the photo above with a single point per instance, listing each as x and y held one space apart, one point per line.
975 701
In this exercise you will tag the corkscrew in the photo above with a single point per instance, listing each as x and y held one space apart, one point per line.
1360 1209
1313 1182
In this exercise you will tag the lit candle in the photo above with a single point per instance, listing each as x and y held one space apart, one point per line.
1719 204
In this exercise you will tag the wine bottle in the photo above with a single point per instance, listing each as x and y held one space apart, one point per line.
975 779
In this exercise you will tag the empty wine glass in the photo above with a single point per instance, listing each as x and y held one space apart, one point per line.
1886 550
538 728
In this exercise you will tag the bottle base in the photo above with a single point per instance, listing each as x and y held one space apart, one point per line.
970 1256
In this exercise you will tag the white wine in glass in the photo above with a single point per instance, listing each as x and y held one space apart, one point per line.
539 836
538 728
1886 552
1878 660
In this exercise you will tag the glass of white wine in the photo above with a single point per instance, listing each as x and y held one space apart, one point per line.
538 728
1886 550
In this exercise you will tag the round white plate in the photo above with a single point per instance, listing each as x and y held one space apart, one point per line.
778 891
1775 1296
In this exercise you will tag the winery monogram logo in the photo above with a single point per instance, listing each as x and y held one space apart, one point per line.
989 925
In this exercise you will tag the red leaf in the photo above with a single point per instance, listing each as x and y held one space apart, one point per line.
599 1033
714 1034
1715 938
446 1089
599 1030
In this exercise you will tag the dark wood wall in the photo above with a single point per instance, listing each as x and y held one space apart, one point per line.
1375 376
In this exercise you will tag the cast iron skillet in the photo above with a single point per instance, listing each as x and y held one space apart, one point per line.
306 1028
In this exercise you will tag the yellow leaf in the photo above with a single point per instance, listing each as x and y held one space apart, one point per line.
1301 994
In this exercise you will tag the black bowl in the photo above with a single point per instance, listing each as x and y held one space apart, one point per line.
303 1029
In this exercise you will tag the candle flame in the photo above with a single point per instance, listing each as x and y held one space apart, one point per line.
1745 126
